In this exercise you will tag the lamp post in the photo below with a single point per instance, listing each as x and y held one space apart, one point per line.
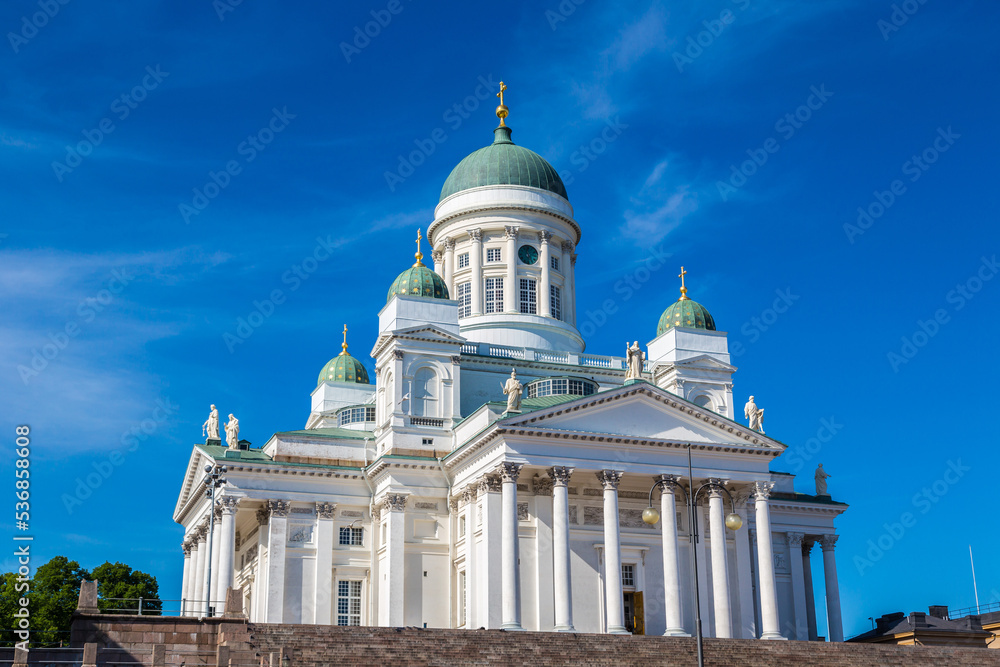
213 480
650 515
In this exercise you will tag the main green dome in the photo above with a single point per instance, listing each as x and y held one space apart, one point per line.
503 163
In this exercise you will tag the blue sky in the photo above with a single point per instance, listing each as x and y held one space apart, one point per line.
648 111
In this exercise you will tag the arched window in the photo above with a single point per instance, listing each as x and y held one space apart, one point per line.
704 401
425 393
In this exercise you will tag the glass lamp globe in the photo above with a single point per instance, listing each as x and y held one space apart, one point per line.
650 515
734 522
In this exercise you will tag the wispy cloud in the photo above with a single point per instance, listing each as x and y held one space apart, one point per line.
661 204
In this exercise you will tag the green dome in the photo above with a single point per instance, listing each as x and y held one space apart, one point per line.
686 313
343 368
503 163
419 280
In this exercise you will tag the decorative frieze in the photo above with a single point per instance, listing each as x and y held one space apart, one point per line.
302 510
542 486
423 505
300 534
522 511
352 514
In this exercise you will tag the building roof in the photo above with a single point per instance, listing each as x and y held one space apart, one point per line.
418 281
925 628
685 313
343 368
503 163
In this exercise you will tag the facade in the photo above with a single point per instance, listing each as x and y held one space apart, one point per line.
446 493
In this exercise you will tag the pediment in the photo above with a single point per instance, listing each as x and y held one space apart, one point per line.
704 361
643 411
193 476
426 333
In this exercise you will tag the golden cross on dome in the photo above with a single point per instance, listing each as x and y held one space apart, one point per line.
344 344
419 255
502 110
683 288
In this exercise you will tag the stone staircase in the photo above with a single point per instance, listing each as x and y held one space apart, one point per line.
316 646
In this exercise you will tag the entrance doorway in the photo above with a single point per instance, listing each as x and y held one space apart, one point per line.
635 621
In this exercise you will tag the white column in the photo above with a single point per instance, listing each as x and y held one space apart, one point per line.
770 626
476 270
277 535
832 588
807 545
569 290
510 610
324 563
798 585
613 597
488 565
213 594
744 573
562 586
227 550
395 555
671 563
544 300
198 591
471 615
449 266
259 599
438 258
720 569
187 547
704 555
511 289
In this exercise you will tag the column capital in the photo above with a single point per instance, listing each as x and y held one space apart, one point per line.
186 548
449 244
489 484
715 487
510 232
326 510
395 502
509 472
453 504
762 490
560 475
262 515
567 246
807 544
544 237
469 493
201 532
278 508
828 542
794 539
476 235
610 479
668 482
217 510
227 504
437 255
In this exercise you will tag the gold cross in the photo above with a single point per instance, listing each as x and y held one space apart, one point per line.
502 110
419 254
503 87
683 288
344 344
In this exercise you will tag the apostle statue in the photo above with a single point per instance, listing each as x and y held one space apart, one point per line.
821 476
233 432
513 389
211 425
634 358
755 415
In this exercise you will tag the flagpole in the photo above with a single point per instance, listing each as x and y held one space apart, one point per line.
975 588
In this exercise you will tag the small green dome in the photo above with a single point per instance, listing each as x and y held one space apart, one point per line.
503 163
419 281
343 368
686 313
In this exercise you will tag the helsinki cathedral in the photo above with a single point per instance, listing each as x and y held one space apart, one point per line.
494 474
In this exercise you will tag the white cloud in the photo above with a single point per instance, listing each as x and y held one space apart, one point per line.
663 202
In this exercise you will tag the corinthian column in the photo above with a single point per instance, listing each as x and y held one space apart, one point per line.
794 541
614 600
561 582
227 548
201 565
720 569
277 536
476 267
323 601
544 295
187 547
512 289
671 566
395 504
828 542
471 558
449 267
765 561
510 609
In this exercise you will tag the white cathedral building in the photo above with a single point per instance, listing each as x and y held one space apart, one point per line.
427 497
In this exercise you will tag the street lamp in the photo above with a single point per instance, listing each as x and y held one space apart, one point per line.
733 522
213 480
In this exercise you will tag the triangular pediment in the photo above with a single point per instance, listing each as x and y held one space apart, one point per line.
425 333
193 476
643 411
702 361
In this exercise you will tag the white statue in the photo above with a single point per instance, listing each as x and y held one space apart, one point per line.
755 415
513 391
211 425
233 432
634 358
821 476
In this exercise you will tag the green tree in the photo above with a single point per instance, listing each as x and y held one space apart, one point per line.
119 589
53 595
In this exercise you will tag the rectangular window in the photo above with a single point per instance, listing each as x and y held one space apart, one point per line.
555 299
464 299
348 603
494 295
529 296
461 598
352 537
628 575
493 254
461 525
463 260
554 262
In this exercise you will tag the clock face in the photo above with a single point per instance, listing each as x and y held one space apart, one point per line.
528 254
